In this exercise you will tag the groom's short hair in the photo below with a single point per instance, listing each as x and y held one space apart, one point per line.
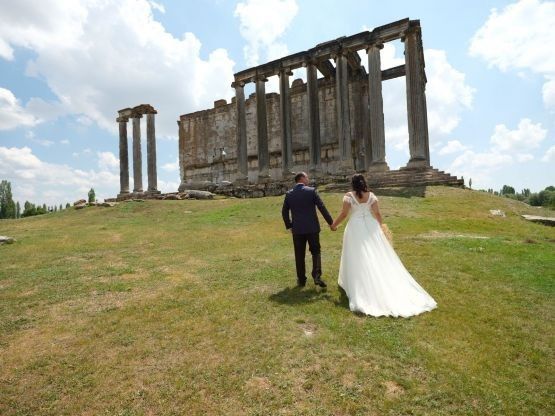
299 175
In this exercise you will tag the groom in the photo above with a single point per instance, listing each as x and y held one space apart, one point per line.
302 201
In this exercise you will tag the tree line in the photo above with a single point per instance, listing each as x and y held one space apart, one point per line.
9 209
544 198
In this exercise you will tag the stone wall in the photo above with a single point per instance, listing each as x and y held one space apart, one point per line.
203 134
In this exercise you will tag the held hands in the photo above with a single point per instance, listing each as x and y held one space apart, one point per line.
333 227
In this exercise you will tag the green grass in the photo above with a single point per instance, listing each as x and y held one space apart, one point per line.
189 307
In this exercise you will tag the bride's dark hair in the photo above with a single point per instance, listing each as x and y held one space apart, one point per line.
358 182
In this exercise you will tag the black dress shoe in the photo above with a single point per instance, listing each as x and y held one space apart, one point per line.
301 283
320 282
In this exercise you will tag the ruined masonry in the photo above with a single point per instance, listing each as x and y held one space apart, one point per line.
135 114
330 127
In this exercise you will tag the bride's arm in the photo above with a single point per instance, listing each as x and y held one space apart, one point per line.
342 215
376 211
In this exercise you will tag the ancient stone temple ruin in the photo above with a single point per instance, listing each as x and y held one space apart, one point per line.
330 126
135 114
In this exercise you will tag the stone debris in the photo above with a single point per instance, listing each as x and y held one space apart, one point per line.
6 240
193 194
497 213
108 204
175 197
79 202
542 220
80 205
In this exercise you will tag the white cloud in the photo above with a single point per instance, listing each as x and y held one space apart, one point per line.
527 136
507 148
549 155
12 115
448 96
452 146
157 6
64 141
108 161
100 56
262 23
172 166
41 182
524 157
518 37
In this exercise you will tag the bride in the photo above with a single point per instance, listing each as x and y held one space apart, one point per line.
371 273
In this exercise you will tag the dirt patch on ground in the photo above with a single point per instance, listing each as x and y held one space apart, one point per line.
440 234
393 389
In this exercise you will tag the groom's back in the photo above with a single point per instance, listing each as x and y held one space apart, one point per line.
302 203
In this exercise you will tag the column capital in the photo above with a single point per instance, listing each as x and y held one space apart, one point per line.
122 119
238 84
378 45
260 77
410 31
136 115
285 71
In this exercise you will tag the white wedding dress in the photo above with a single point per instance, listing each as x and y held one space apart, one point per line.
372 274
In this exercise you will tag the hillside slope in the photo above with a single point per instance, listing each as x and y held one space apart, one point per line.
189 307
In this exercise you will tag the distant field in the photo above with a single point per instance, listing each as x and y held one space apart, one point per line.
189 308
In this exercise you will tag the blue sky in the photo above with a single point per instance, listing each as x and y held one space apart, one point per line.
66 67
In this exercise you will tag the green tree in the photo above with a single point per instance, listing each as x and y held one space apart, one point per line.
7 204
507 190
68 205
92 196
61 207
17 210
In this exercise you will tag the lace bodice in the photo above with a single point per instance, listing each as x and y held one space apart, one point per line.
360 209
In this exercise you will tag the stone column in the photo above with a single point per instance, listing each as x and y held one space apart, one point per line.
343 114
416 100
137 154
313 119
181 134
123 156
285 119
151 154
375 109
356 126
241 132
262 129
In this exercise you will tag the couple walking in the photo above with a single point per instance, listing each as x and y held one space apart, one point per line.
370 273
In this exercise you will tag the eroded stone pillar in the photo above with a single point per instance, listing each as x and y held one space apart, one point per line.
343 113
123 156
241 133
375 110
285 119
262 129
151 154
137 154
313 119
416 100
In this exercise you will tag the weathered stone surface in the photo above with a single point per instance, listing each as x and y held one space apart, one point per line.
108 204
80 206
79 202
542 220
175 197
6 240
194 194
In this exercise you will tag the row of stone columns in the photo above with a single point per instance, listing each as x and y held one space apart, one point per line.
135 115
375 155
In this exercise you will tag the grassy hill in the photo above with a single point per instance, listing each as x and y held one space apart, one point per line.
189 307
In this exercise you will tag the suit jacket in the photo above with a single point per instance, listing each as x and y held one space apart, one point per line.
302 202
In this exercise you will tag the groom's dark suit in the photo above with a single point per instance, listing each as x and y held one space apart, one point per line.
302 202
